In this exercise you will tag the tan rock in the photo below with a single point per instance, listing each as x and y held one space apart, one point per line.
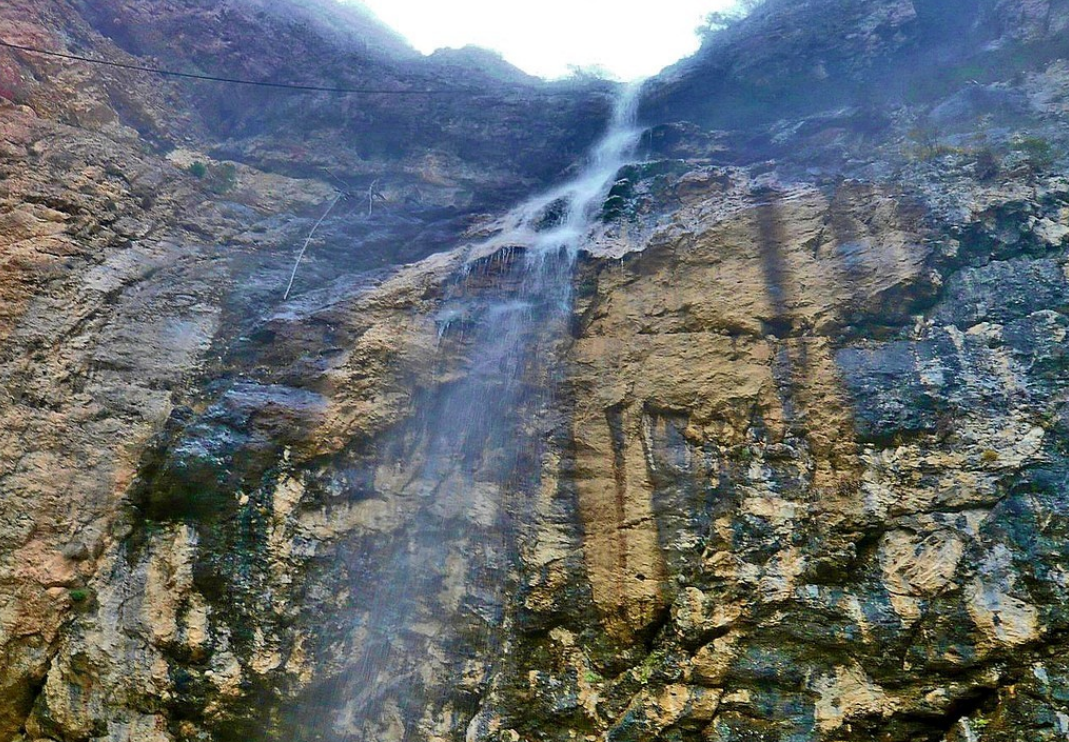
916 567
712 662
849 693
1003 618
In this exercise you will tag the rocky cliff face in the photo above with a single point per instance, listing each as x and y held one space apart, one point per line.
798 470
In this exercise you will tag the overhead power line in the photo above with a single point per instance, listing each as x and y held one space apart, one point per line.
230 80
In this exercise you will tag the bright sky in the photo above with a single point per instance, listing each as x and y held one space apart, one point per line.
629 39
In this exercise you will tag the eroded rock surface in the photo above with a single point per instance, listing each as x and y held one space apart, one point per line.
797 470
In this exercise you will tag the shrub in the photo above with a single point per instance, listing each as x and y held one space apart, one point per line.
223 178
587 288
926 145
987 164
79 595
718 21
1036 150
220 178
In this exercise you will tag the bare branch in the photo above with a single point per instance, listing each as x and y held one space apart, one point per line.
308 239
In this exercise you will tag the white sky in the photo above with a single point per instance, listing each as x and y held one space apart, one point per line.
629 38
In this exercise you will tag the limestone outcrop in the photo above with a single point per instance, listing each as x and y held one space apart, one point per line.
795 470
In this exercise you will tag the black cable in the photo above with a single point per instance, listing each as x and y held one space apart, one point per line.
231 80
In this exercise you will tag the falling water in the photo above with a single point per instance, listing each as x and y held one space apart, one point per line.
561 219
433 589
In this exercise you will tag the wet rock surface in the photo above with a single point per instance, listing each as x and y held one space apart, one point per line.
797 472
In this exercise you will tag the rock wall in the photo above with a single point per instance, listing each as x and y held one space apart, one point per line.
815 479
796 472
153 372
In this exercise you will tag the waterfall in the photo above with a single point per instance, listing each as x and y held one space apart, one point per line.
562 217
436 588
